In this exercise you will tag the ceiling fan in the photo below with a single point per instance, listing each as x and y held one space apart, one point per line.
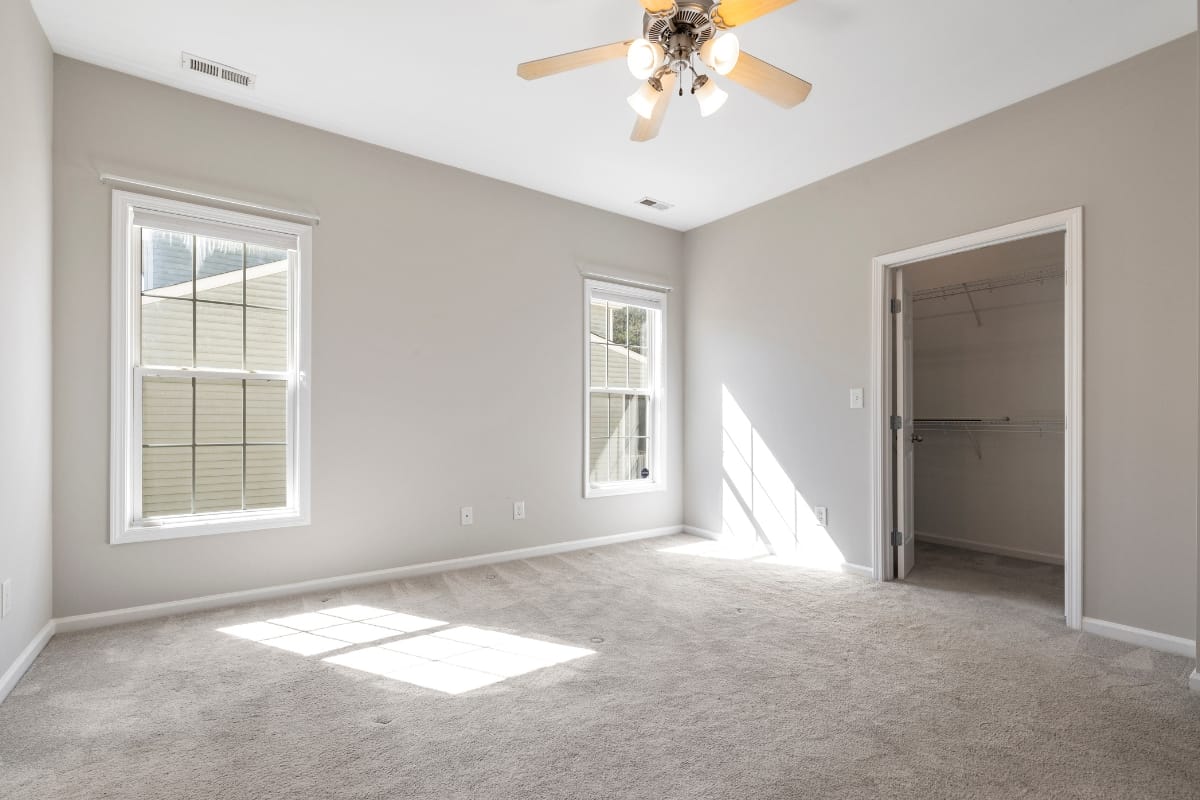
674 34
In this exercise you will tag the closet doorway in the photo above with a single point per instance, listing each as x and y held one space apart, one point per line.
977 368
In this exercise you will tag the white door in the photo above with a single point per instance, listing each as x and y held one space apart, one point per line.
906 545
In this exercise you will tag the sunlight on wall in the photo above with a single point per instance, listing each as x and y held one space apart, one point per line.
763 516
452 661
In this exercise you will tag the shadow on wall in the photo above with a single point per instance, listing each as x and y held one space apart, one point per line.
763 516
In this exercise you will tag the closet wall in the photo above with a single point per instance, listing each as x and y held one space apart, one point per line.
992 353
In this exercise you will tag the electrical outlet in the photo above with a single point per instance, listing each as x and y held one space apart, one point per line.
822 515
519 509
5 597
856 398
467 515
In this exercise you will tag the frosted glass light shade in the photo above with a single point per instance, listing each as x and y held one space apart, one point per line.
721 54
644 58
643 100
710 97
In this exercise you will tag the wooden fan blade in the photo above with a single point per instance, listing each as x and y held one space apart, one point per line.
646 129
781 88
532 70
730 13
658 6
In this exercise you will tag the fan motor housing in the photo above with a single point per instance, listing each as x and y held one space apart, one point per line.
692 18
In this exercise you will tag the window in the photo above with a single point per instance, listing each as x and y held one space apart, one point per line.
624 336
210 351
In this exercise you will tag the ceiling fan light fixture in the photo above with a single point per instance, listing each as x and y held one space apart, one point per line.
644 58
721 53
644 99
709 96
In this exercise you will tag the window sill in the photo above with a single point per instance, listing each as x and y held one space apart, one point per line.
186 528
620 489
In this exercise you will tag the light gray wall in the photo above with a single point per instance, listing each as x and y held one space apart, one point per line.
1008 493
26 86
447 348
778 311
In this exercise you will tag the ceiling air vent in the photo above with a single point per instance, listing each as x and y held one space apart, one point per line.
657 205
217 70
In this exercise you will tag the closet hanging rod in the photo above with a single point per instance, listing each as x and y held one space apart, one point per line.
1017 279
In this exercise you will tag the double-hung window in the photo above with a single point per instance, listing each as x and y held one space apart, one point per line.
209 386
624 351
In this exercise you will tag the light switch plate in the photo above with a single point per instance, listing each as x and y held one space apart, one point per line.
822 515
856 398
466 515
519 509
5 597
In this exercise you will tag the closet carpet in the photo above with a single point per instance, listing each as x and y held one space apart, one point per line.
709 678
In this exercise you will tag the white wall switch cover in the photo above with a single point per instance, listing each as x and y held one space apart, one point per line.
822 515
5 597
467 515
856 398
519 509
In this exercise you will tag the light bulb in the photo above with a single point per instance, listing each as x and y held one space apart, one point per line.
710 97
644 58
644 99
721 54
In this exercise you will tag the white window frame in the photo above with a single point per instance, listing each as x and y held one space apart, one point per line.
126 445
656 449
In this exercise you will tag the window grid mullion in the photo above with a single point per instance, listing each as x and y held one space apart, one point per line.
245 364
195 361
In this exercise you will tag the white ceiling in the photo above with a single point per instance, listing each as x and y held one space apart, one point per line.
438 80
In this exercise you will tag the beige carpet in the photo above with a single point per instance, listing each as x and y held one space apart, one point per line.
709 678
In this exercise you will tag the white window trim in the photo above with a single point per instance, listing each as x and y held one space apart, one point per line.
657 446
125 473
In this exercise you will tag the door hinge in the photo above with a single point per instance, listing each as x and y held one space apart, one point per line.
897 538
897 422
896 305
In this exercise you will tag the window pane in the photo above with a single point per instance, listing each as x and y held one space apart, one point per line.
618 316
637 456
618 366
266 276
266 339
637 327
616 414
598 319
218 479
618 460
639 369
266 411
218 336
219 413
166 263
639 426
266 476
167 411
599 460
599 365
166 332
166 481
218 270
598 426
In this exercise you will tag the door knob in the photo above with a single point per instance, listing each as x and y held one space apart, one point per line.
917 438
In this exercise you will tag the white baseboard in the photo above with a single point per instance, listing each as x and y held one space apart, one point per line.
25 660
1141 637
101 619
847 567
1194 680
993 549
701 532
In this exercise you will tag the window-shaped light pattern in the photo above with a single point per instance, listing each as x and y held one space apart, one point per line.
212 374
419 651
622 396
